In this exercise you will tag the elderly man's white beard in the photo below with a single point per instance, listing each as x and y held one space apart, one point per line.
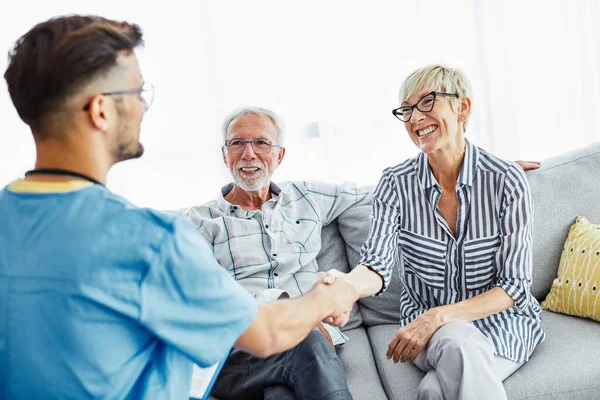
256 183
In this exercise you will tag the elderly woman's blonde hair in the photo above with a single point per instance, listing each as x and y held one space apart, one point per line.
439 78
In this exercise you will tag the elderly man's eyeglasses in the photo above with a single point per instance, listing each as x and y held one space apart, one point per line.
425 104
146 94
260 146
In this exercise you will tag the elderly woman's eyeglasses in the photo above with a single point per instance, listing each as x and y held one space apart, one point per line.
425 104
146 94
260 146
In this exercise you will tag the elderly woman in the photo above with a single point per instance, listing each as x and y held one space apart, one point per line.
458 220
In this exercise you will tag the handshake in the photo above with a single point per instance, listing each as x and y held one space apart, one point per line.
339 294
285 323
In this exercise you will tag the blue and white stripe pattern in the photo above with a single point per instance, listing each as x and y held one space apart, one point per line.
492 246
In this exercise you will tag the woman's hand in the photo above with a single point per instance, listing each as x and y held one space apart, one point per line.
412 339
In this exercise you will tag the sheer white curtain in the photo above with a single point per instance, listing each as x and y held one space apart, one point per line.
332 69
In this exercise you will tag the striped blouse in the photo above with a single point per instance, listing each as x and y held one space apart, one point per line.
492 246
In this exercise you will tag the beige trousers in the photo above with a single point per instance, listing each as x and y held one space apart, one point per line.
460 365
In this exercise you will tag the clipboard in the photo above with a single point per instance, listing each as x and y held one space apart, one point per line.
203 380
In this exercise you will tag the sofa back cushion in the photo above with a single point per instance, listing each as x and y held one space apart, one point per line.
333 256
564 187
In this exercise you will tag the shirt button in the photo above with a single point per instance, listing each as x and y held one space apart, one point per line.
274 255
298 222
276 274
266 226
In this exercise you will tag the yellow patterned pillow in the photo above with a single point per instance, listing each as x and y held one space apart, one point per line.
576 290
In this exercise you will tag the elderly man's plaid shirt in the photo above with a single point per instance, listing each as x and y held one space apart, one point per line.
274 249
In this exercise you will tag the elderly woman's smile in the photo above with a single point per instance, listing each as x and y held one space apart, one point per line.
426 131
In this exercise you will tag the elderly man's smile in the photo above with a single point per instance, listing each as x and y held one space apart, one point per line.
249 171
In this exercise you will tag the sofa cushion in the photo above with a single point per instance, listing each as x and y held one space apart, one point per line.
358 362
564 366
576 289
384 309
400 381
560 192
333 256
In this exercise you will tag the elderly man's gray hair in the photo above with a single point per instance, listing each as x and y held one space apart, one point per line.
235 114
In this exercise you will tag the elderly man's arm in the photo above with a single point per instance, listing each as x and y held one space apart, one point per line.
331 200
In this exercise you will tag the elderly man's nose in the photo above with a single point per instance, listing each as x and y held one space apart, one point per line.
248 152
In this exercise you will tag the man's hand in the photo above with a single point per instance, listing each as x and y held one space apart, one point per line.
412 339
325 333
343 296
527 165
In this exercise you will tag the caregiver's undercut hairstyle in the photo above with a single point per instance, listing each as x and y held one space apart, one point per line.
56 57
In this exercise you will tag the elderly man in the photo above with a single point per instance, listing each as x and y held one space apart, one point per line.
268 236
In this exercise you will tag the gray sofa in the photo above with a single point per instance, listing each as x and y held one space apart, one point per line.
565 366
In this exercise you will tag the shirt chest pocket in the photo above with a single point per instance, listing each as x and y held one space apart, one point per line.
424 257
303 232
480 265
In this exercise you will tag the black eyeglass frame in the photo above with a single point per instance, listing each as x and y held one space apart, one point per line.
147 87
251 141
397 114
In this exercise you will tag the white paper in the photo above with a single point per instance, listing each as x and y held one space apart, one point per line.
201 378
